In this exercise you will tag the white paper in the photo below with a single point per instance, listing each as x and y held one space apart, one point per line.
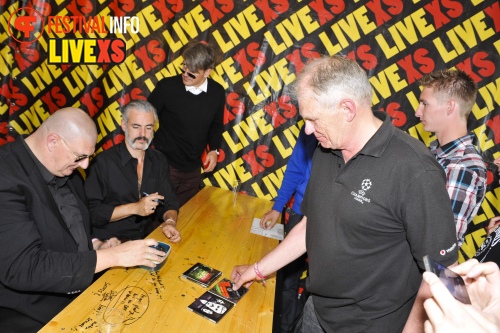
275 232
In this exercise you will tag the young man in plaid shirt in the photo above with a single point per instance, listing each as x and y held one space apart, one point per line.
445 104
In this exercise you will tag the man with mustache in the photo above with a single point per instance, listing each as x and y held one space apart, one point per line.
128 186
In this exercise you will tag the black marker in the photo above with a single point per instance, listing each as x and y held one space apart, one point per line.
144 194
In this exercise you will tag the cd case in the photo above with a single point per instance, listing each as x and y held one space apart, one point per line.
211 306
202 274
224 289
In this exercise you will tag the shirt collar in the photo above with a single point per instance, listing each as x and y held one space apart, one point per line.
125 154
378 142
198 90
47 176
450 147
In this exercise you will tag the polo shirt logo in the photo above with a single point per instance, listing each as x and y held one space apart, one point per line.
448 250
366 184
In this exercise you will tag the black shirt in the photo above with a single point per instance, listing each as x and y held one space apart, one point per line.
490 250
112 181
188 122
65 201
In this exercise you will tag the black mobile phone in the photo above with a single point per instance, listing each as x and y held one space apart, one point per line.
451 280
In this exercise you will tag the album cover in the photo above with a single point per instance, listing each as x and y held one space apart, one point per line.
224 289
202 274
211 306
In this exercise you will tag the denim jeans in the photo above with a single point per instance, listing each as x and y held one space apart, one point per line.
309 322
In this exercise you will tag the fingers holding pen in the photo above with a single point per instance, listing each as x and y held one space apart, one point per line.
148 204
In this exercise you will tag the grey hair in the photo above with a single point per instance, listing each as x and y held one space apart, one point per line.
333 78
199 56
141 106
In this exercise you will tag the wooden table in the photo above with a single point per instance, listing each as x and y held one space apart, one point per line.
216 232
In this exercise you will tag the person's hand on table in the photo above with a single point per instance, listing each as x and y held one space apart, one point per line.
446 314
243 275
269 219
171 232
147 204
138 252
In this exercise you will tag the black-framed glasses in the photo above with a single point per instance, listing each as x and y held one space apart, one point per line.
78 158
191 75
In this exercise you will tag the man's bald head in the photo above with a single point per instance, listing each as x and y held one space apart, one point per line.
64 141
71 123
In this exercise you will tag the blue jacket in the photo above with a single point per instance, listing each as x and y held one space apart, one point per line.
297 172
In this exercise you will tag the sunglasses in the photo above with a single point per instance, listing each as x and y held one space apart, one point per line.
78 158
191 75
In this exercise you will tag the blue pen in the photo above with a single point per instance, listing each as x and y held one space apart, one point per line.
144 194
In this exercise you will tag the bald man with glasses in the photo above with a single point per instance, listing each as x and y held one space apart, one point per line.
78 157
46 251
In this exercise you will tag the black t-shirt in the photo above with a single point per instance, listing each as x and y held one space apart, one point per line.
490 250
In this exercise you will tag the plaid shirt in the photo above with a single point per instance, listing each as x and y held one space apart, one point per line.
465 179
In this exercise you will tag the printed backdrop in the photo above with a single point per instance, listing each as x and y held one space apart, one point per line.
262 46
